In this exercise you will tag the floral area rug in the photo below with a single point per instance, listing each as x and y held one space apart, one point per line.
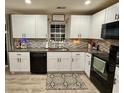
65 81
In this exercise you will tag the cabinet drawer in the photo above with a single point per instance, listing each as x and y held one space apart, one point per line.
19 54
76 54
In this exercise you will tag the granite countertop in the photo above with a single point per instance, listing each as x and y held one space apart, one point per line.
55 50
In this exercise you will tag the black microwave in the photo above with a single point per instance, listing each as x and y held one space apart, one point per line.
110 30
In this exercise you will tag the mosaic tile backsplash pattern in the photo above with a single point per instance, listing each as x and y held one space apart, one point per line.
39 43
105 44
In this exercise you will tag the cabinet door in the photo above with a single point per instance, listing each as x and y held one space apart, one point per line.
52 64
80 26
97 20
112 13
23 26
25 64
41 26
14 64
87 64
116 82
85 25
64 64
74 30
19 61
59 61
77 61
52 61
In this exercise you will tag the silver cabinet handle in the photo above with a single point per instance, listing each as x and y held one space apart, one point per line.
88 56
20 60
116 16
23 35
60 59
17 59
72 60
89 62
46 36
18 54
77 54
80 35
114 81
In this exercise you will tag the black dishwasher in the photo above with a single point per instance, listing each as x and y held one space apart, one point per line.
38 62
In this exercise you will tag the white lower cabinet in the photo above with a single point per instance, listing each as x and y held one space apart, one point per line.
87 63
19 61
116 82
51 63
65 61
58 61
78 61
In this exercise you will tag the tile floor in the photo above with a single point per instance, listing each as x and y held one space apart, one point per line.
27 83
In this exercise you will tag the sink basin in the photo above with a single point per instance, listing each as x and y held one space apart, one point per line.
58 49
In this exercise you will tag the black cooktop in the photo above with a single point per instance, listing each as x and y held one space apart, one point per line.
104 56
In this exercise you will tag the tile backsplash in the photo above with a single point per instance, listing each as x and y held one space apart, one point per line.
83 43
105 44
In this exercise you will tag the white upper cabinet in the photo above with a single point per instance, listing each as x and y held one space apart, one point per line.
96 25
112 13
41 26
79 26
23 26
29 26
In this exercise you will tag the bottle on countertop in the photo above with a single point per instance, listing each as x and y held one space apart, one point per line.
17 44
46 45
94 45
89 46
97 47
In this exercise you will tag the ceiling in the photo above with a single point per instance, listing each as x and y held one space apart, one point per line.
49 6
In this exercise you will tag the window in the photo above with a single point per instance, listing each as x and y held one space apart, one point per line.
57 32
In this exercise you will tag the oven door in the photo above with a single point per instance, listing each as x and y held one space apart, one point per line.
100 67
99 75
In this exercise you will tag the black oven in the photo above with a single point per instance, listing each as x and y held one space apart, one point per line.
103 69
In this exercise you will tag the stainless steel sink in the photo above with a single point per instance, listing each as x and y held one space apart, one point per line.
58 49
